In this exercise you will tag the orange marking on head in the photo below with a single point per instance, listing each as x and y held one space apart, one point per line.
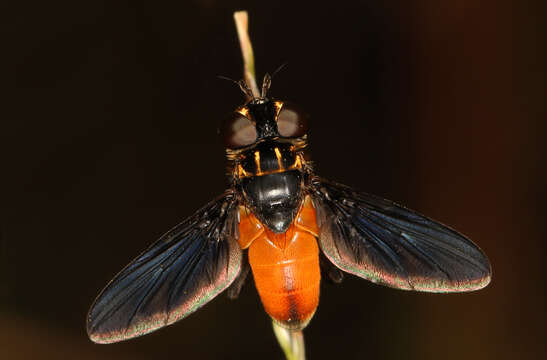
278 105
243 111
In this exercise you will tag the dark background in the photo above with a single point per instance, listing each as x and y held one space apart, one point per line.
108 138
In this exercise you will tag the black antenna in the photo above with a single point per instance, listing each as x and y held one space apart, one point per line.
242 85
281 67
266 83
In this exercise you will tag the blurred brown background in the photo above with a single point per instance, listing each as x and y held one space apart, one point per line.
108 135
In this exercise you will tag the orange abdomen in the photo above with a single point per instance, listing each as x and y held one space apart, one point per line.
285 266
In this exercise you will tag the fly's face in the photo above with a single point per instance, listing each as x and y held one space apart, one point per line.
265 141
263 120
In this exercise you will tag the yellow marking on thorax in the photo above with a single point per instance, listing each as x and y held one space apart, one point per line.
241 173
297 162
257 162
278 157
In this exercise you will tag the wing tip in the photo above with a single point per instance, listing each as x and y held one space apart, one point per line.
105 331
453 287
114 336
101 338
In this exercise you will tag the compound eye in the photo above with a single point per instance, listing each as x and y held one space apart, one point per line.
291 121
238 131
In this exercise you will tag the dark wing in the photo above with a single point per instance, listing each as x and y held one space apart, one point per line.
385 243
183 270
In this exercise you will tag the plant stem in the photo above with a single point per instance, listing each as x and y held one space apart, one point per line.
242 21
292 342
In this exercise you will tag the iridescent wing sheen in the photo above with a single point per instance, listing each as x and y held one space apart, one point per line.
183 270
388 244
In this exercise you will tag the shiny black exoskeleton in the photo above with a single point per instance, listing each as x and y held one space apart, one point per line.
274 197
270 172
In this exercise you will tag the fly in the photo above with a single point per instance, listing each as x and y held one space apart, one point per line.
285 224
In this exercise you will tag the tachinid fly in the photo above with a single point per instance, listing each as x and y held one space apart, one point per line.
283 222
